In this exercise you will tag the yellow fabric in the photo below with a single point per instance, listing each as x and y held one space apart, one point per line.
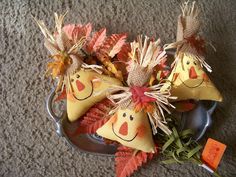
85 84
138 134
184 87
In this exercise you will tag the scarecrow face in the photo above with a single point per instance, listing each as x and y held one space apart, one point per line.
128 125
189 73
84 84
130 128
189 81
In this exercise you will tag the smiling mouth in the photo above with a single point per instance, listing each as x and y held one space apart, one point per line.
195 86
128 140
81 99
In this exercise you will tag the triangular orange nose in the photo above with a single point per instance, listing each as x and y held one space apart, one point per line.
192 73
124 129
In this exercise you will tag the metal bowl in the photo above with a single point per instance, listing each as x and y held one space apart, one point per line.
198 119
90 143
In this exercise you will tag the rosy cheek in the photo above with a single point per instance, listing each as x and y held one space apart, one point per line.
141 130
205 77
113 119
70 97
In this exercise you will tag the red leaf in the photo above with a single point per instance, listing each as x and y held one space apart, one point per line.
76 32
127 162
198 43
112 45
96 41
163 69
68 29
184 106
164 74
61 96
81 31
163 65
95 117
123 55
88 29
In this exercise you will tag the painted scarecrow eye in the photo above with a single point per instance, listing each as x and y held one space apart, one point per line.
131 117
195 62
124 115
78 76
187 62
72 80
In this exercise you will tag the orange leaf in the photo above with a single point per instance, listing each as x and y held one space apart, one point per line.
112 45
123 55
96 41
95 117
127 162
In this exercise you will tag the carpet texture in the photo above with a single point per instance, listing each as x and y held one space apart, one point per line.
29 146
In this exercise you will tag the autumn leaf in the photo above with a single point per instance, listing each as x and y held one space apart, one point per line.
184 106
123 55
61 96
68 29
112 45
96 41
81 31
127 161
87 28
164 74
95 117
76 32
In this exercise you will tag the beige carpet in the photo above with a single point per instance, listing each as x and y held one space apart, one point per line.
29 146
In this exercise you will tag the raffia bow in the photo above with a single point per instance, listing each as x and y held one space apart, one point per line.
138 95
187 39
65 46
152 101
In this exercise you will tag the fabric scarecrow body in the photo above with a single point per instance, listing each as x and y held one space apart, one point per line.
188 79
81 94
130 128
68 47
139 106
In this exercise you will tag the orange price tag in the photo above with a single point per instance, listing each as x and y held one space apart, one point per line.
212 153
